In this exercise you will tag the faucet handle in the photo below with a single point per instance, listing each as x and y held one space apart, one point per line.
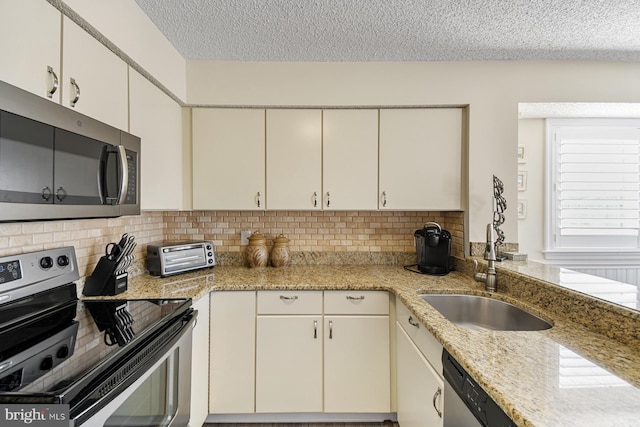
475 266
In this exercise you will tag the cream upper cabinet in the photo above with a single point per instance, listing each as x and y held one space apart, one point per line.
228 159
30 46
421 159
350 159
294 159
95 79
157 120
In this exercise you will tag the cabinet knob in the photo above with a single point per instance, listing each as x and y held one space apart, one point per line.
60 194
46 193
315 199
76 89
384 199
54 82
328 200
315 329
413 322
258 199
330 329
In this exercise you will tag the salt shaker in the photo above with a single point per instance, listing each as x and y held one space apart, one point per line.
257 253
280 253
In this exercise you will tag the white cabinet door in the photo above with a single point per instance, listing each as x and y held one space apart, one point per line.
228 159
157 120
421 159
289 364
419 387
232 352
200 364
100 78
29 43
350 159
356 364
294 159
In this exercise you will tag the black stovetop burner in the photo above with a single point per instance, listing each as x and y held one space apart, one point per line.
53 346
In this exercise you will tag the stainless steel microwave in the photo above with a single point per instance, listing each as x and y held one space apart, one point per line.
56 163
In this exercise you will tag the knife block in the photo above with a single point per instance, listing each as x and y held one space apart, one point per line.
104 280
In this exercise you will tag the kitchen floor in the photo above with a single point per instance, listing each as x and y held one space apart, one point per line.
384 424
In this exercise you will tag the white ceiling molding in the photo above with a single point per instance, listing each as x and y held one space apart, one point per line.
547 110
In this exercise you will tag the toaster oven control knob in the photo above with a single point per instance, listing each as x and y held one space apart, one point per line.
62 352
210 261
208 247
46 262
47 363
63 260
209 254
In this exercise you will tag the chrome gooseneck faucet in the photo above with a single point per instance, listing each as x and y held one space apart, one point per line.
489 278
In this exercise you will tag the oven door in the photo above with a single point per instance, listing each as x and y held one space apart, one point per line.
160 397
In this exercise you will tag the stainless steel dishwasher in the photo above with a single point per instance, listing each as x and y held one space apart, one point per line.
466 404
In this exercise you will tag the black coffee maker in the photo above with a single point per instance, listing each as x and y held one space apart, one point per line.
433 247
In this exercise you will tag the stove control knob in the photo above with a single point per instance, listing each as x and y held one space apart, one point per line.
47 363
63 260
46 262
62 352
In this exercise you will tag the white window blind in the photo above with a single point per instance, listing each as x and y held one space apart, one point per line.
595 184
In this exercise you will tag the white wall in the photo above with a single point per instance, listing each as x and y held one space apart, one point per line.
491 89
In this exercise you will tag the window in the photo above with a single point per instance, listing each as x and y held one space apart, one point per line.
593 186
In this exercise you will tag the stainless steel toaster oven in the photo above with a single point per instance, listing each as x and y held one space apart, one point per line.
168 258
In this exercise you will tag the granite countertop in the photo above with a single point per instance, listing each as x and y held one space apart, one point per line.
568 375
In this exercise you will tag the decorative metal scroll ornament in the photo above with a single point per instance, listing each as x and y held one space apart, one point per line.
499 206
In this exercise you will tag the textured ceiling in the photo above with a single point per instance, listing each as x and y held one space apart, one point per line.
399 30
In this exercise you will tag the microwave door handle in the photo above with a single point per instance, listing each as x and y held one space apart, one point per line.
124 174
102 170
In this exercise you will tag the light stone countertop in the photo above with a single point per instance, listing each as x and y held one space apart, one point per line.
531 375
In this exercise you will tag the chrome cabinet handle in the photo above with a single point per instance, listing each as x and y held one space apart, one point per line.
46 193
60 194
286 298
384 199
54 82
258 199
315 329
77 92
435 397
330 329
413 322
315 199
328 199
360 298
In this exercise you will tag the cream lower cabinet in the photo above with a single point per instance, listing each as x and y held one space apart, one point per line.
420 388
289 364
356 364
232 352
289 351
420 385
200 364
421 161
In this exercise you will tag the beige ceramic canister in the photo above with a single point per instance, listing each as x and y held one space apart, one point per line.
257 253
280 253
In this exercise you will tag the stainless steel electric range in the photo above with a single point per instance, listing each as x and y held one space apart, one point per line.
113 362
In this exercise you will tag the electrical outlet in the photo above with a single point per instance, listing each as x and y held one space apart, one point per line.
244 238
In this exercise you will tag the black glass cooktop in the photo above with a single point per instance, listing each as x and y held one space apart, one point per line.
46 348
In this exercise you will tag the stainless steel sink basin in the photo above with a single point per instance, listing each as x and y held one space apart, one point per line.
477 312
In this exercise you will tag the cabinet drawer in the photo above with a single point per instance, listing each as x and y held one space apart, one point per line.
290 302
356 302
422 338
